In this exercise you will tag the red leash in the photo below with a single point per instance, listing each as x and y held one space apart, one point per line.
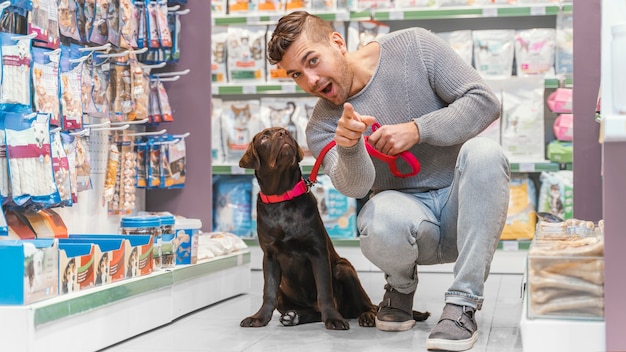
389 159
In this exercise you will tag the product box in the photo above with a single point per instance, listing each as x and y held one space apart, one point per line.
30 270
109 257
187 231
137 252
566 275
76 266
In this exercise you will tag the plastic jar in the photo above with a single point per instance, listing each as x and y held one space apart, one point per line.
145 225
168 245
618 67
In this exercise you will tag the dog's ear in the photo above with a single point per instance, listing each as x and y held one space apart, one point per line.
250 159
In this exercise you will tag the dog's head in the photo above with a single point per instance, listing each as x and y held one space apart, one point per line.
273 148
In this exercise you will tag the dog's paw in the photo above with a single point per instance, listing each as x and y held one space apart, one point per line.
253 322
420 316
290 318
337 324
367 320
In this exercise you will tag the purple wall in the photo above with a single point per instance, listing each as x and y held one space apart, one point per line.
190 98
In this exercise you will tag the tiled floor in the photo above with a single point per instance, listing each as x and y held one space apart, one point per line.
216 328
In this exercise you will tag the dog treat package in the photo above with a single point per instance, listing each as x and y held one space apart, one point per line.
241 120
71 85
493 52
566 271
15 92
164 102
101 87
556 194
232 204
128 24
113 22
112 171
153 164
534 52
521 215
523 119
83 163
246 54
99 30
338 212
87 84
172 55
68 19
69 147
43 23
76 267
177 157
461 42
360 33
30 160
61 167
122 103
141 150
127 178
45 79
5 181
140 86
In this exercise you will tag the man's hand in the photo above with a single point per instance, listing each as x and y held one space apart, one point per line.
394 139
351 126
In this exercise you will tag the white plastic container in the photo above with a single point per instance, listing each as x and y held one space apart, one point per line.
187 231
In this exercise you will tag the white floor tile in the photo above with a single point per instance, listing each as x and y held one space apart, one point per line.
216 328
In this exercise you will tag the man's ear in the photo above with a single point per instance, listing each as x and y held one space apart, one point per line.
337 40
250 159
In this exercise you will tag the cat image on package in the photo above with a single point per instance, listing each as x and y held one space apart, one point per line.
240 122
246 54
361 33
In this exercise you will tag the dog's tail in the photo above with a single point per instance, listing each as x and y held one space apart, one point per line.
420 316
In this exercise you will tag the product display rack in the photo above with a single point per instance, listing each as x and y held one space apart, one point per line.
98 317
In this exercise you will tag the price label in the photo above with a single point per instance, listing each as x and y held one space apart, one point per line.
248 89
490 12
253 20
288 88
342 16
538 11
236 170
527 167
396 15
510 246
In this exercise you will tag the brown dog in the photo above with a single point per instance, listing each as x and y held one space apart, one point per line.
304 278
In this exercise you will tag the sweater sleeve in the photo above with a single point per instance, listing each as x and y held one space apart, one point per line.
350 169
470 105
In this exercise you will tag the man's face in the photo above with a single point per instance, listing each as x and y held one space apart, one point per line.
320 69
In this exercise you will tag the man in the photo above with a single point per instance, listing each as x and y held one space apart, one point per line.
431 104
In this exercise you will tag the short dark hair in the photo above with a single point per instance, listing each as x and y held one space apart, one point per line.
290 27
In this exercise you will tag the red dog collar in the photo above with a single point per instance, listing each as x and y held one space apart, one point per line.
299 189
389 159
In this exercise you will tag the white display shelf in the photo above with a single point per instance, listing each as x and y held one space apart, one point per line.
571 335
99 317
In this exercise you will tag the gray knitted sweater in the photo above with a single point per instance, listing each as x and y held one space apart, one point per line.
420 78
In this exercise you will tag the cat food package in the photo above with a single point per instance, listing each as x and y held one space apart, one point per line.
521 215
246 54
404 4
461 42
556 195
240 121
338 211
232 204
493 52
270 5
286 113
219 37
360 33
564 44
534 52
523 134
275 73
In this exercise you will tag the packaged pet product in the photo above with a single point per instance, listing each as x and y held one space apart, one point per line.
241 6
338 211
323 5
534 52
148 225
231 205
110 256
31 271
560 151
360 33
275 73
493 52
404 4
270 5
564 43
43 23
564 127
523 134
218 7
556 194
286 113
45 79
461 42
76 266
187 231
293 5
246 54
372 4
219 38
521 215
560 101
15 85
240 122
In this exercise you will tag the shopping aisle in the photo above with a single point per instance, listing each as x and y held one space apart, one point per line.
216 328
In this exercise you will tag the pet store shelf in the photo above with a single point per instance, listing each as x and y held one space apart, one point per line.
291 88
451 12
95 318
231 169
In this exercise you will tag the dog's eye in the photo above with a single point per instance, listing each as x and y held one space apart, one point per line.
264 138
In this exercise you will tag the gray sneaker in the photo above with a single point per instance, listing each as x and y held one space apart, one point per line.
395 312
456 330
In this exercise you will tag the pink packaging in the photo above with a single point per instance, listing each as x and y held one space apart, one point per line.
560 101
564 127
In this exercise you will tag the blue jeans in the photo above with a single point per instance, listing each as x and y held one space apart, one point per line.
461 223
